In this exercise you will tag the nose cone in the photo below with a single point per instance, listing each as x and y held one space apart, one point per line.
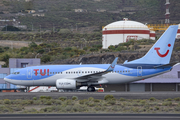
7 79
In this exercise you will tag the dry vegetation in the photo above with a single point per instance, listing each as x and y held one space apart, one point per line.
45 104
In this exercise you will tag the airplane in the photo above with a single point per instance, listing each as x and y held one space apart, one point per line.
155 62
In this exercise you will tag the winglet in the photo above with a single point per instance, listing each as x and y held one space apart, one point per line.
111 67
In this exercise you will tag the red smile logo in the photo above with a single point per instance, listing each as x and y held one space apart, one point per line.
162 55
112 67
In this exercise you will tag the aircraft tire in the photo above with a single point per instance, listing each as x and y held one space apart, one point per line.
91 89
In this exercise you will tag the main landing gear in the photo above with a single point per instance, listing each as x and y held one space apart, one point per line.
91 89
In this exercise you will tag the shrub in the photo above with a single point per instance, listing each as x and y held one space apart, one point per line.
91 104
177 99
143 101
37 102
48 103
62 98
45 58
17 108
177 108
7 101
167 103
81 101
97 100
108 97
34 98
90 98
74 98
122 99
152 99
48 97
57 102
112 102
69 102
68 108
42 97
169 99
156 108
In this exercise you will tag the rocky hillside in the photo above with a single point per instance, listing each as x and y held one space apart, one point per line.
107 58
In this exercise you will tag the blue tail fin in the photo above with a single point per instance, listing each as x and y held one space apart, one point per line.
161 51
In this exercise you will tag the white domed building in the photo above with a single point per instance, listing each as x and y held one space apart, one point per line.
122 31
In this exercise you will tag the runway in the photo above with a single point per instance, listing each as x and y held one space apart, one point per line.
90 116
96 95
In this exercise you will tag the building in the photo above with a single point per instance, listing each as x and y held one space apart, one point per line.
80 10
14 64
169 81
38 15
30 11
122 31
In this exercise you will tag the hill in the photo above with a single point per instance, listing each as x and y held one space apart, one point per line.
60 14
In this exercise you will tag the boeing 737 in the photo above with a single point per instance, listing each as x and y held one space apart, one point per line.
155 62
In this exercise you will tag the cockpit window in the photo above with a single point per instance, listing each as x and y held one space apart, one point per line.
16 73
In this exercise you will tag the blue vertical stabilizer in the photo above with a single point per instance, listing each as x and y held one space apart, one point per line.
161 51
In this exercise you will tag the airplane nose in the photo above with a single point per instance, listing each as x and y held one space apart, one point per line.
7 80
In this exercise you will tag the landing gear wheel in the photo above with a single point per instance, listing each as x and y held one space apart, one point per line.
91 89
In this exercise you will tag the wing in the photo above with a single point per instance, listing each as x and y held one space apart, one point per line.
99 74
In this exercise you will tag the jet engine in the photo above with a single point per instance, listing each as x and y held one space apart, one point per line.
66 84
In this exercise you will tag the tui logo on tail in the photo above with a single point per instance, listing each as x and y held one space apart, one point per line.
162 55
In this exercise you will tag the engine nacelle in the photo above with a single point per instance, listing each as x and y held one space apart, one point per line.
66 84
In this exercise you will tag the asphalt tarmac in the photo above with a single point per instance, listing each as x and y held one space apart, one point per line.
96 95
90 116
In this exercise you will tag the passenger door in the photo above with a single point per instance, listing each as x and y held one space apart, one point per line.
139 71
29 73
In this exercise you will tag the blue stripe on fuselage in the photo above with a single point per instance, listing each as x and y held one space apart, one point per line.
128 70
